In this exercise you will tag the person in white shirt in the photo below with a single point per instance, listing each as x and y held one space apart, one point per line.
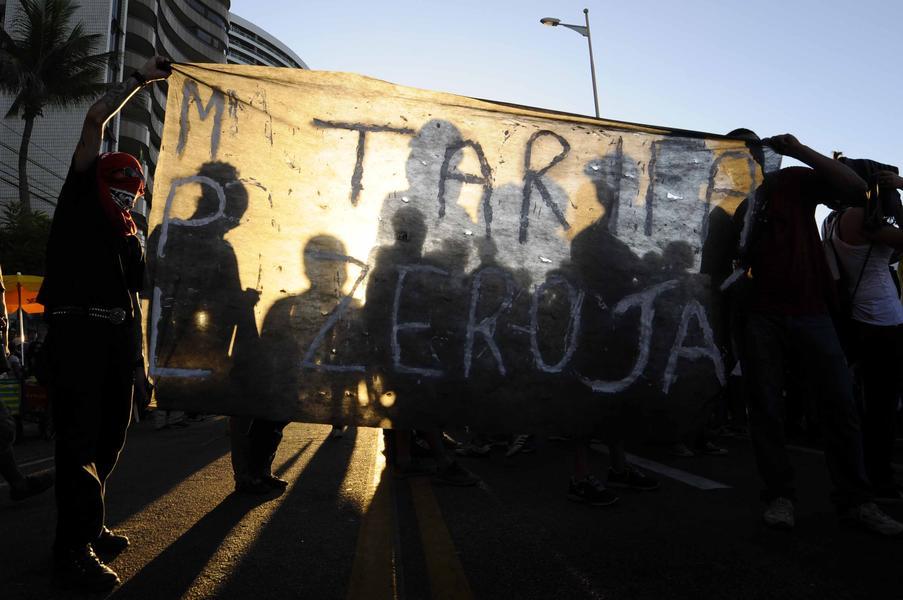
867 239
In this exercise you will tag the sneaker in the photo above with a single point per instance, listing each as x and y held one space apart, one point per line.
109 545
455 474
32 485
337 431
632 478
682 450
870 517
254 486
712 450
779 514
590 490
80 569
499 441
449 442
736 431
277 483
520 443
471 449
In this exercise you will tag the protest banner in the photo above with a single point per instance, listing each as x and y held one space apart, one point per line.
327 247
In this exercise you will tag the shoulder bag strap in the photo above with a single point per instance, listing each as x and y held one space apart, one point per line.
861 273
831 235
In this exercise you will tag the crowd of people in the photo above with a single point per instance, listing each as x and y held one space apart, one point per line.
785 323
785 318
12 364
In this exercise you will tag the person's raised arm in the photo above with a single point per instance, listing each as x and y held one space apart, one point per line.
108 105
844 182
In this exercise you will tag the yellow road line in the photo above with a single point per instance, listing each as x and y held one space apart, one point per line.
447 579
373 572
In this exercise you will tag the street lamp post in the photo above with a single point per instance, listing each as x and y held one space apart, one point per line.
585 32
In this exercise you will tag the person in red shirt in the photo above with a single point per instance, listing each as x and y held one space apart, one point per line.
788 316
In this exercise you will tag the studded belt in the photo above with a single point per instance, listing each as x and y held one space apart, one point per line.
116 316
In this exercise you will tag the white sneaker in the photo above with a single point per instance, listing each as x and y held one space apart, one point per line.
870 517
520 443
779 513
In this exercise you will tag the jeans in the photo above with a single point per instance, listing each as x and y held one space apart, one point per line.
91 378
7 429
254 445
8 469
769 343
264 437
880 369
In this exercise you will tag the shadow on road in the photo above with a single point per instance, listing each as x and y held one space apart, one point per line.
172 572
315 518
155 462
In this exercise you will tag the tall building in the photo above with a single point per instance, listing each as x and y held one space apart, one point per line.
195 31
183 30
251 45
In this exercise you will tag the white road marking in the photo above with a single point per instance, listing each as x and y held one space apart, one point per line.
36 462
805 449
684 477
4 485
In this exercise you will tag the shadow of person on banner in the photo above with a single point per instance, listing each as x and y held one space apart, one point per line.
397 306
201 319
408 355
614 352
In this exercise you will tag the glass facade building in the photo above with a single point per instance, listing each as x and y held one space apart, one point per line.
251 45
195 31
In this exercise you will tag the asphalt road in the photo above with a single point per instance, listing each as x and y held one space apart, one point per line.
345 529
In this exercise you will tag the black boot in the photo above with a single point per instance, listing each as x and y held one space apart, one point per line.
253 485
109 545
277 483
80 569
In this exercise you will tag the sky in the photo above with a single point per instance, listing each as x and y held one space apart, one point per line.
827 71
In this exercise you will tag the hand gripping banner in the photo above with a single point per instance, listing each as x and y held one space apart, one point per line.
330 248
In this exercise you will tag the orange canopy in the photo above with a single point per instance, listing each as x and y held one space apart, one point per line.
30 284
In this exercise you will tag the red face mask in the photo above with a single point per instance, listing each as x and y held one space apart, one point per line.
120 183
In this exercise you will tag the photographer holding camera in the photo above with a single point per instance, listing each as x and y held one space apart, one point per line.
791 292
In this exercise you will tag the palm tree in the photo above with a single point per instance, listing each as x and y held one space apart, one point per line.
47 62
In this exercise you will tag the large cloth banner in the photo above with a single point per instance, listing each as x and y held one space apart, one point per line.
330 248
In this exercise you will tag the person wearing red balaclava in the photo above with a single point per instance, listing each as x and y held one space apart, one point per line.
95 267
120 182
